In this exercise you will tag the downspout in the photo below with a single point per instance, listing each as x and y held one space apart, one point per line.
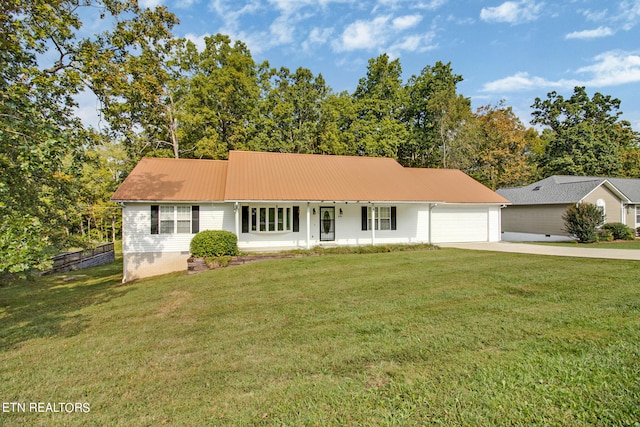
308 226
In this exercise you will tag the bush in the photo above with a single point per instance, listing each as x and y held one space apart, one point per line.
582 222
619 231
605 235
214 243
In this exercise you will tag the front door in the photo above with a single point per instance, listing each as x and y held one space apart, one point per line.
327 224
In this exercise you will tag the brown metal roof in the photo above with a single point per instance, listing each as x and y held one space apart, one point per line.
278 176
453 186
174 180
258 176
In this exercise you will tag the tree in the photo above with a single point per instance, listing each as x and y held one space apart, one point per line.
435 115
41 141
104 168
220 98
337 114
290 109
379 101
134 71
586 135
501 150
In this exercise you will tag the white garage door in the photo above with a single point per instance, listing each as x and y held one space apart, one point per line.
450 225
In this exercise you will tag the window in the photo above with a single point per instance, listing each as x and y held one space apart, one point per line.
602 206
385 218
166 219
183 219
637 214
270 219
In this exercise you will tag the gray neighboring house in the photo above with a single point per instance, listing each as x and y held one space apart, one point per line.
536 210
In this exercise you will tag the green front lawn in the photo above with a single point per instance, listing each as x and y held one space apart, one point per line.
618 244
406 338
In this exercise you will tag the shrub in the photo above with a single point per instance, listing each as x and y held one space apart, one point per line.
214 243
605 235
619 231
582 221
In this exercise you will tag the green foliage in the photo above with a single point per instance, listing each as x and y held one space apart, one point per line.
500 156
214 243
582 221
435 115
604 235
379 100
214 262
585 135
619 231
24 245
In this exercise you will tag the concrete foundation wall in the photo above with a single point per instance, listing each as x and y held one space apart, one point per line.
147 264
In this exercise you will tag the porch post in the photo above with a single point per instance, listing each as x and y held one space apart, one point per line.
236 211
308 226
431 206
373 224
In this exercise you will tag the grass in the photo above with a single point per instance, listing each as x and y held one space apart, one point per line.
445 337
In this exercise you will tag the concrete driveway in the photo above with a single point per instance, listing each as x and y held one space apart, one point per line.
522 248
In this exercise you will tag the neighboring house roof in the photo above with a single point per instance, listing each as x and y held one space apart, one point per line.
630 187
259 176
560 189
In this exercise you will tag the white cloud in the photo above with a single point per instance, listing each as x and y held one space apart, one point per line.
231 14
609 69
613 68
198 40
317 37
413 43
282 29
385 33
512 12
590 34
523 81
629 14
151 4
406 22
363 35
398 4
595 15
184 4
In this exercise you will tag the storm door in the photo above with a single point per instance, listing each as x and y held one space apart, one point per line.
327 224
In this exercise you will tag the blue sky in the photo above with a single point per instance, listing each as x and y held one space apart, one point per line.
512 50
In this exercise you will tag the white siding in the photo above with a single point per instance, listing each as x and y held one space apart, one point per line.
137 237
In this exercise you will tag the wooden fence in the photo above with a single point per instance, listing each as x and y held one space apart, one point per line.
101 254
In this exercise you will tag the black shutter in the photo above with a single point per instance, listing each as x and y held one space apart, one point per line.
365 222
245 219
155 216
393 217
195 219
296 219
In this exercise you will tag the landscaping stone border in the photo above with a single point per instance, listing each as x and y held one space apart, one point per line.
196 265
